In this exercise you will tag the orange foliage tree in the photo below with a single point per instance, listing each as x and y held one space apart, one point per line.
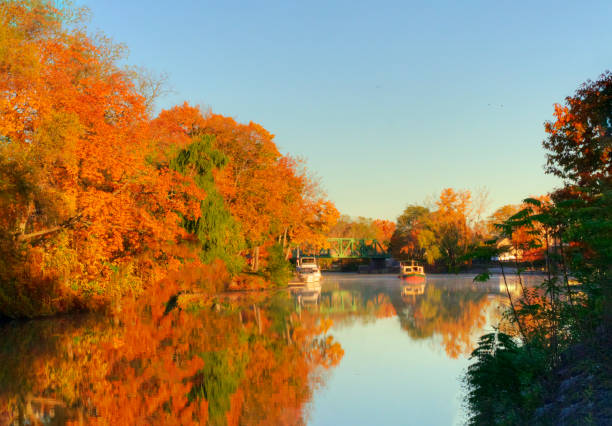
444 235
86 217
270 194
526 243
94 204
364 228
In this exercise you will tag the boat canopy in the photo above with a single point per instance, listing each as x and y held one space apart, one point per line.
409 263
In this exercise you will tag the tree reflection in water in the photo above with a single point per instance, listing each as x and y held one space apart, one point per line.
239 359
452 310
452 314
234 359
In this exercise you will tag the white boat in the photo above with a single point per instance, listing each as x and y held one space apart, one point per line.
308 270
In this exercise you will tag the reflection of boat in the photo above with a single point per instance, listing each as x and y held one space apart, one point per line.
411 269
308 294
413 290
512 286
307 269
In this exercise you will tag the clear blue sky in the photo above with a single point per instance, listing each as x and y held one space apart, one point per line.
389 101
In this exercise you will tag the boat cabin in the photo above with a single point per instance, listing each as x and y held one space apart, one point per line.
410 267
307 262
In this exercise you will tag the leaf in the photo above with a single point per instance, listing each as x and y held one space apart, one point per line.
482 277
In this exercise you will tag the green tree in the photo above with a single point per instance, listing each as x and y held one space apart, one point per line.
278 269
217 231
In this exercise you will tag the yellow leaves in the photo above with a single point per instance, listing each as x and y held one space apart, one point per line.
454 202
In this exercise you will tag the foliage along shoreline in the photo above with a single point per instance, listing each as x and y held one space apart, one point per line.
550 363
100 201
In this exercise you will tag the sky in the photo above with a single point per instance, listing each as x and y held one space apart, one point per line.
389 102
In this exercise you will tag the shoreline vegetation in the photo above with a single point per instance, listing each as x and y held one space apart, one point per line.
550 362
102 201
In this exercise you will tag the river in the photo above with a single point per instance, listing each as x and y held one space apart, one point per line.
358 349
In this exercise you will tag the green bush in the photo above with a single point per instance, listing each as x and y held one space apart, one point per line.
279 269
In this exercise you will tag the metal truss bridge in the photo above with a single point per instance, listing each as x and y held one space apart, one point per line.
348 248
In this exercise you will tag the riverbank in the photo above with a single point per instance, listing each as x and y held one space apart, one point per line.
579 390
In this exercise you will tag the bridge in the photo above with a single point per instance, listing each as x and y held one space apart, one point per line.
347 248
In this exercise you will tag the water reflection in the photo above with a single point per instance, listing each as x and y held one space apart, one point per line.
412 290
236 359
307 294
453 313
233 359
453 309
406 345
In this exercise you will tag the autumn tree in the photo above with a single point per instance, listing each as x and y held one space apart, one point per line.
443 235
270 194
98 201
84 216
414 237
384 230
363 228
579 143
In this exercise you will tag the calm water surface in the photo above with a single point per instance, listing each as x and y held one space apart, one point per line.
358 349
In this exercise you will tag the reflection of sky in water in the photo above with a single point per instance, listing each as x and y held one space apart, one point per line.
389 377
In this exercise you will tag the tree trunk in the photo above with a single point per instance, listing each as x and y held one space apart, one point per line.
256 259
288 333
24 222
23 237
257 315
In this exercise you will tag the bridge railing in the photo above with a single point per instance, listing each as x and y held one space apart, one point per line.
348 248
